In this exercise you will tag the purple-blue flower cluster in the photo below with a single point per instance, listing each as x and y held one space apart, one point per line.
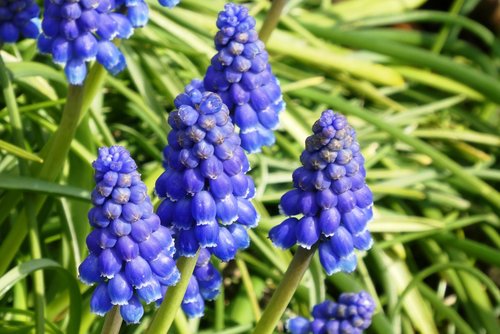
331 196
206 192
130 252
240 73
78 31
351 314
18 18
203 285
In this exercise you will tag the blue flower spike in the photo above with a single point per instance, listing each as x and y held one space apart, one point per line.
205 190
351 314
18 18
130 253
241 74
77 32
331 204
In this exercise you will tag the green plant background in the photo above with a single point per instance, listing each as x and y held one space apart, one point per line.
425 106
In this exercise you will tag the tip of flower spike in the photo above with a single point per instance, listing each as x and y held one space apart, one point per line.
116 159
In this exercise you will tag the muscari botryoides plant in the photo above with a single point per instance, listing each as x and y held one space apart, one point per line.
130 253
331 199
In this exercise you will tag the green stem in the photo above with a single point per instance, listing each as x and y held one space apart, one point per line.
285 291
272 19
112 322
165 315
220 305
247 282
36 253
181 323
59 143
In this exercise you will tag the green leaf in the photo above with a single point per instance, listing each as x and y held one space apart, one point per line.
36 185
19 152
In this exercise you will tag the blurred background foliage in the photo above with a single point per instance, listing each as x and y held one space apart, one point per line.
417 79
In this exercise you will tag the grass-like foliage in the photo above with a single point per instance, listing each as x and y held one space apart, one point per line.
425 107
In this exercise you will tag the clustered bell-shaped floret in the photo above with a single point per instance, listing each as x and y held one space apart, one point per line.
241 74
130 252
351 314
78 31
331 197
206 194
204 285
18 18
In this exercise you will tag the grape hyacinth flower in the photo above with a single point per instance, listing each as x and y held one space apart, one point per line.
331 196
203 285
130 252
78 31
18 18
206 194
241 74
351 314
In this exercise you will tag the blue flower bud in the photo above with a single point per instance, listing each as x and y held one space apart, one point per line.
204 186
109 263
298 325
284 235
207 233
150 292
226 247
240 235
100 303
203 208
130 252
183 214
195 308
89 270
331 194
119 290
247 215
186 243
133 311
227 209
169 3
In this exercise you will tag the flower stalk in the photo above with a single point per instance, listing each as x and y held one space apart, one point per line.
285 291
272 19
112 322
165 315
